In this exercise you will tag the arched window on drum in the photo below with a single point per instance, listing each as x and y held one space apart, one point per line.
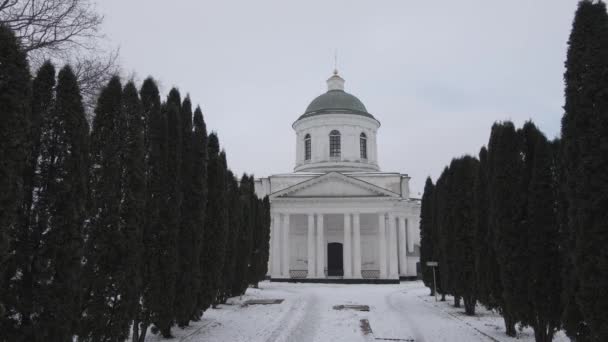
307 147
363 145
334 144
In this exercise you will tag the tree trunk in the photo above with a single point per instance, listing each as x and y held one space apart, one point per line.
509 325
443 297
135 337
432 292
469 306
456 301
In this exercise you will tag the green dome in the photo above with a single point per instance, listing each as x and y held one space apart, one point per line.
336 101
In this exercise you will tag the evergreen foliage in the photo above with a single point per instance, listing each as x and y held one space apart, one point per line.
245 239
426 235
134 199
235 222
585 158
61 208
504 189
214 233
188 263
489 288
198 200
544 279
21 295
106 309
462 217
14 134
155 161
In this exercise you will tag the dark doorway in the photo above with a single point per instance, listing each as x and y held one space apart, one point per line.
335 266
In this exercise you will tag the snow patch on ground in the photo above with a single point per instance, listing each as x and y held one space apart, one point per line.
403 311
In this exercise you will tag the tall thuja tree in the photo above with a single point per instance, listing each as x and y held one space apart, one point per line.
426 237
198 200
155 229
245 237
263 255
528 137
257 237
504 170
261 237
188 258
463 218
170 216
214 235
544 279
577 121
61 202
584 136
15 104
133 202
224 226
105 306
443 231
488 287
235 221
27 237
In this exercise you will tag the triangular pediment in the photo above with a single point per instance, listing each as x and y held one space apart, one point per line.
333 184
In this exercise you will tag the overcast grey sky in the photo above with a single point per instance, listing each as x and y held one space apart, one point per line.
436 74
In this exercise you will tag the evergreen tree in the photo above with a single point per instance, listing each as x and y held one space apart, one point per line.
155 229
26 243
462 216
188 258
443 236
489 288
14 131
544 279
261 237
235 222
134 201
245 239
170 217
584 135
60 211
504 171
199 206
264 248
214 234
426 237
106 309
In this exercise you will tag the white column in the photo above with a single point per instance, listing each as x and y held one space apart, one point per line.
347 257
402 247
382 241
320 247
392 247
286 253
276 240
409 226
311 246
356 246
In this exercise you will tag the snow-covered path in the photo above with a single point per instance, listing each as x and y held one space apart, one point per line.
401 312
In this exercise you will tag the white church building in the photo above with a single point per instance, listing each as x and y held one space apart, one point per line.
338 217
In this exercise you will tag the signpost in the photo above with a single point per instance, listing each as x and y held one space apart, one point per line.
433 264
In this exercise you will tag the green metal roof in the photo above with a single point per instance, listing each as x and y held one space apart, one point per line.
336 101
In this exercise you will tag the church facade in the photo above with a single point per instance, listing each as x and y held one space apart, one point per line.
337 217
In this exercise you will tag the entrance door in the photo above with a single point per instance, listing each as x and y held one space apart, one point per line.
335 266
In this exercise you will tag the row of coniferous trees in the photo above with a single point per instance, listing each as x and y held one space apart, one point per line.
134 223
523 228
